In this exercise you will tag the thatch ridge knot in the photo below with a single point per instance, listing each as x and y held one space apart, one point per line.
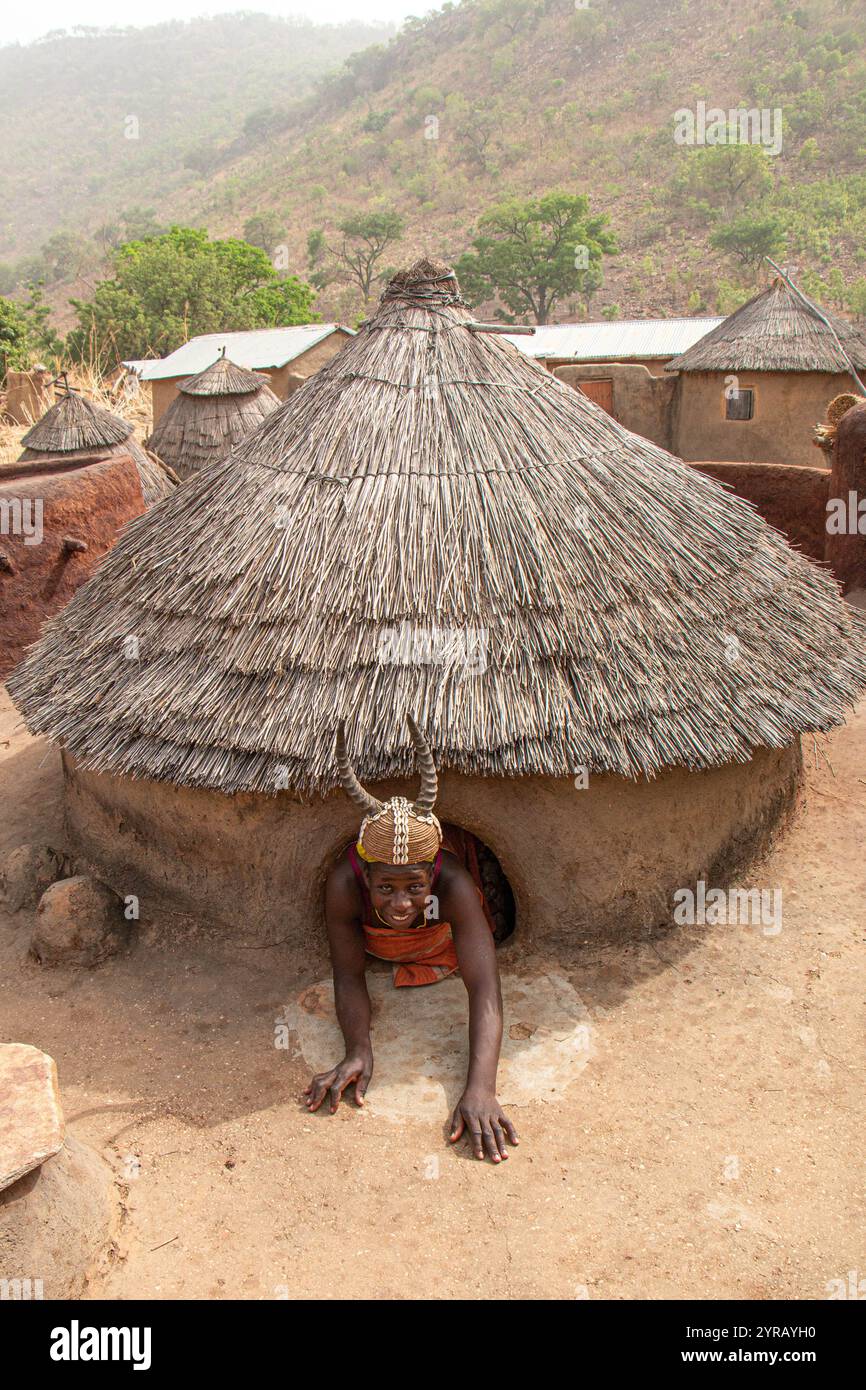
424 282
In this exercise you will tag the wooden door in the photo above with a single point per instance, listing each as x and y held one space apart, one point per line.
600 391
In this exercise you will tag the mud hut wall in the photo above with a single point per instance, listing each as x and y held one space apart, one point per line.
162 393
654 365
88 503
306 364
786 408
846 549
593 864
789 497
28 395
643 402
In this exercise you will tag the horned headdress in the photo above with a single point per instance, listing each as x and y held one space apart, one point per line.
396 831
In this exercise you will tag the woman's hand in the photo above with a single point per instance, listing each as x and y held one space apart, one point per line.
480 1113
355 1066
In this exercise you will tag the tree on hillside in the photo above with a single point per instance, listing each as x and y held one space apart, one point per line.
265 230
169 288
533 253
720 180
750 237
508 15
264 122
133 224
66 256
477 129
857 298
41 336
356 258
14 338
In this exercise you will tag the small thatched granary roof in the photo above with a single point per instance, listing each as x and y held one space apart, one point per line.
212 413
779 330
434 523
223 378
76 426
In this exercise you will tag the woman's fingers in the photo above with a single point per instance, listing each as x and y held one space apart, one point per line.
361 1088
490 1147
509 1128
339 1084
318 1089
458 1124
499 1136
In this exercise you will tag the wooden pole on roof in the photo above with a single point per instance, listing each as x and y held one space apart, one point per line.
810 305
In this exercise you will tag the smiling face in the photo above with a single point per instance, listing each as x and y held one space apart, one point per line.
398 892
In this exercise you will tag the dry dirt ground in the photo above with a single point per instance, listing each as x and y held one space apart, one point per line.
690 1106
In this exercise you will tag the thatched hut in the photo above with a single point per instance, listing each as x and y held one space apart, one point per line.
612 656
56 524
751 390
212 412
286 356
76 428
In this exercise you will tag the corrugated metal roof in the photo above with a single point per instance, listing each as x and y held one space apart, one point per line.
610 339
257 349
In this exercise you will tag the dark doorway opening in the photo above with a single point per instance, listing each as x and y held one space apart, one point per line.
489 876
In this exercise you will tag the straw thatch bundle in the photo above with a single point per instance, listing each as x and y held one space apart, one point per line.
75 426
779 330
429 485
214 411
824 433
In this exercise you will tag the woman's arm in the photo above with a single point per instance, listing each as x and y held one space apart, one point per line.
346 941
478 1110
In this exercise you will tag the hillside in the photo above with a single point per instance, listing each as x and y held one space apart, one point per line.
74 158
533 94
519 96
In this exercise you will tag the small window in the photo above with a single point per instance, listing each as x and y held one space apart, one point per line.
740 406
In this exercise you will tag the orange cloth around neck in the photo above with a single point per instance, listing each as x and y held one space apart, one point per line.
425 954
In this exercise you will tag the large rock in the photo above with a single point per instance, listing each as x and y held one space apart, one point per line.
56 1224
79 921
56 1195
26 874
31 1120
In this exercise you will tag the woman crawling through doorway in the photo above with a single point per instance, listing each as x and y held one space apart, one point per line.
401 894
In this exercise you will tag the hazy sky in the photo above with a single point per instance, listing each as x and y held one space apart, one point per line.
21 24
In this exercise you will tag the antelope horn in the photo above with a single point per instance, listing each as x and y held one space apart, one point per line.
426 798
369 805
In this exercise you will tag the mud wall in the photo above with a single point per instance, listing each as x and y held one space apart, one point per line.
642 401
789 497
846 548
787 406
83 502
28 394
654 365
593 864
285 380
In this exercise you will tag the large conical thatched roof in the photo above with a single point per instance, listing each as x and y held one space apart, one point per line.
779 330
431 478
76 426
214 411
